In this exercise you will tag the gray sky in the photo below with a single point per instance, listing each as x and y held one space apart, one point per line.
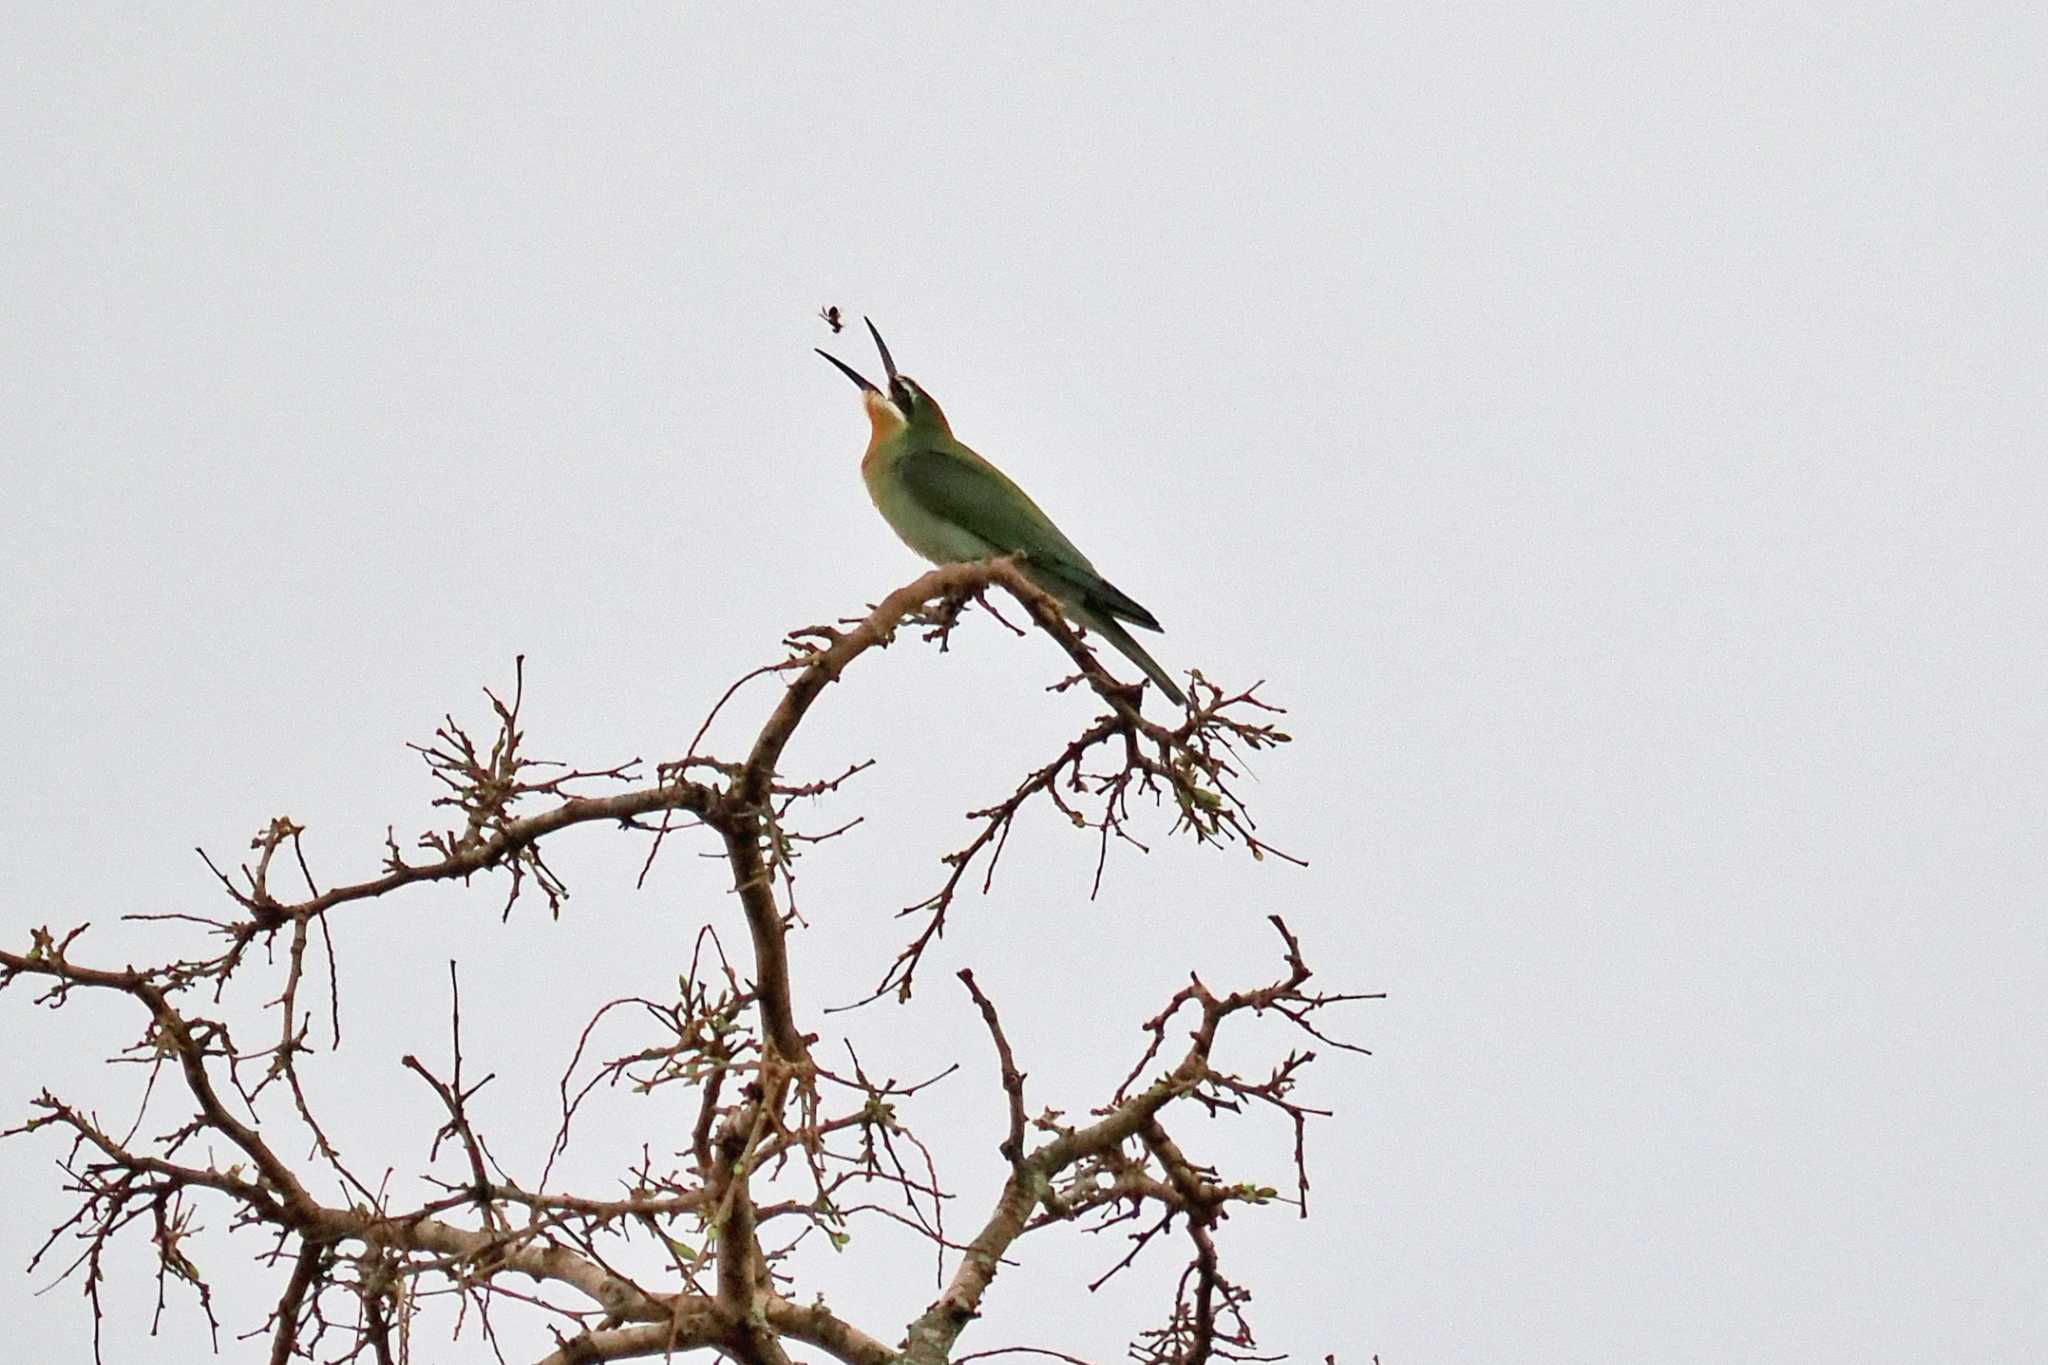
1617 436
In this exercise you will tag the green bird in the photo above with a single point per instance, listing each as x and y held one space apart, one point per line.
952 506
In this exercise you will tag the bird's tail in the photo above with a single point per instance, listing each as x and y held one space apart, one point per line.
1112 631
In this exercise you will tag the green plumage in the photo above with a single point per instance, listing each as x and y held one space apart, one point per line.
950 505
958 485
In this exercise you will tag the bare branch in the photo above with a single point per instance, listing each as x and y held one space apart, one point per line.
1013 1079
771 1150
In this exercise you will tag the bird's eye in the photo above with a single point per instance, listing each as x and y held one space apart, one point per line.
906 393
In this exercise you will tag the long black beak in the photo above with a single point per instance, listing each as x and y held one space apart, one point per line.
888 361
850 373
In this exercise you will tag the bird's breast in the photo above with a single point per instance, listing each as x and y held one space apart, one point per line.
934 537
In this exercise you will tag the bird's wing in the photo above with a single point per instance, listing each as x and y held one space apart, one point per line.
975 495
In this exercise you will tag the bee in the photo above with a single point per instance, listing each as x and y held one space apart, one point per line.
832 319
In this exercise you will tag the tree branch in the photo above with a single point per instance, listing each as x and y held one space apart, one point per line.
775 1140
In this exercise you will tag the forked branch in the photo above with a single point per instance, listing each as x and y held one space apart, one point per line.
785 1148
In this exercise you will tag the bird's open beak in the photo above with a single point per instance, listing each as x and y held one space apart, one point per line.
856 376
895 392
888 361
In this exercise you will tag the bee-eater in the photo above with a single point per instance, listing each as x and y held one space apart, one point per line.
950 505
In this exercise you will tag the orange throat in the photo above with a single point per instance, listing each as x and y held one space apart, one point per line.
884 421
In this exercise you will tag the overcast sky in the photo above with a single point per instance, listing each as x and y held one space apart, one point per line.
1616 436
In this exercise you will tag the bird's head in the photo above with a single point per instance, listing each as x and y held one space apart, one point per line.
903 404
